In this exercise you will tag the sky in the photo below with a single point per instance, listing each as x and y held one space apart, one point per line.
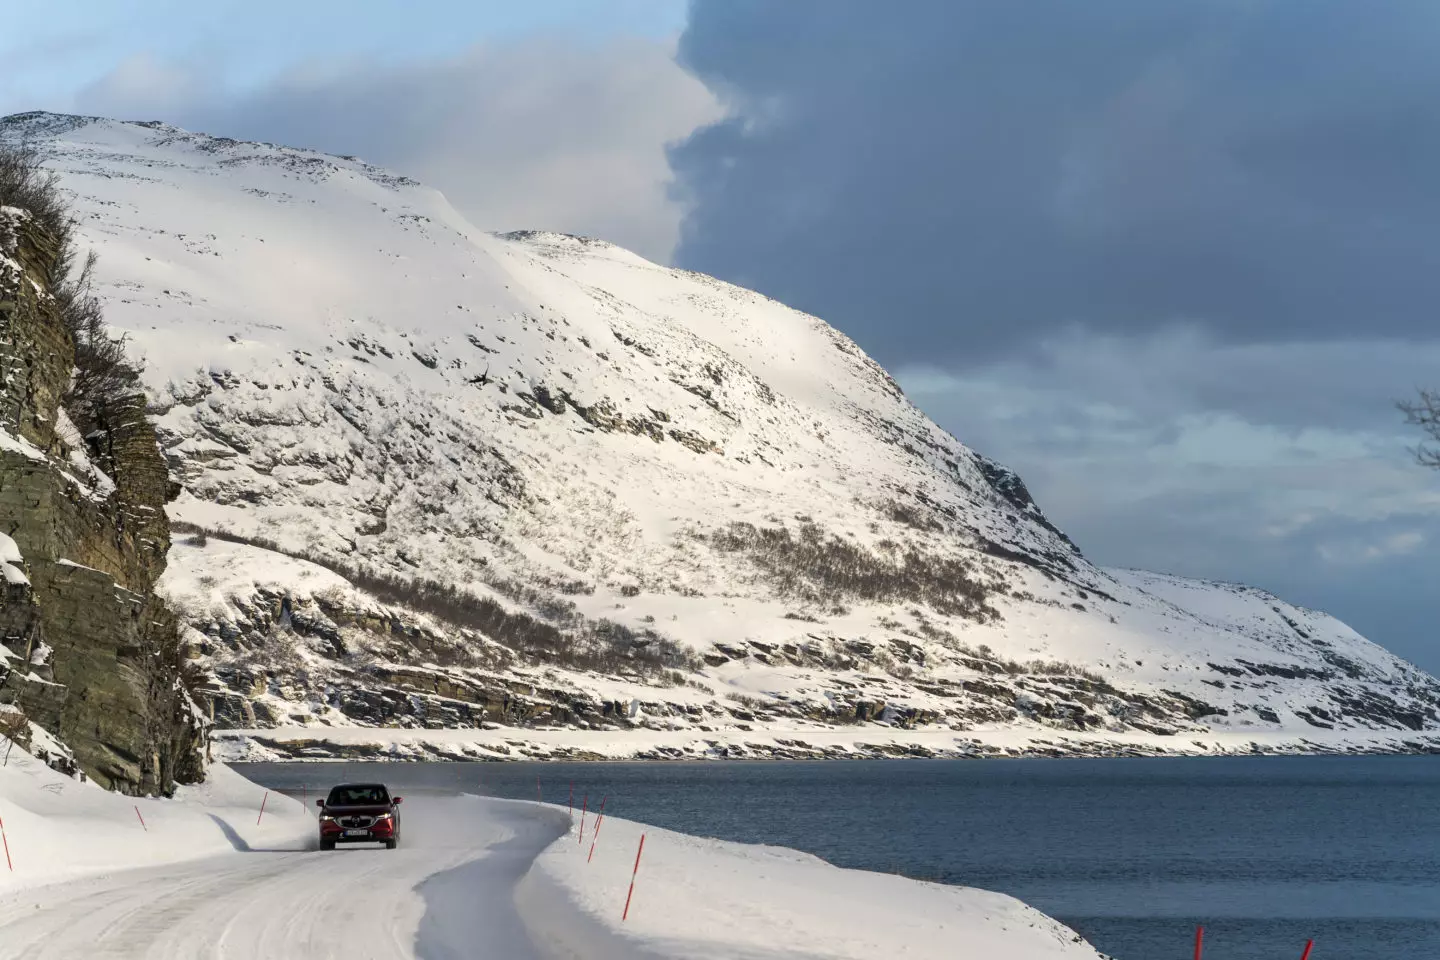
1171 261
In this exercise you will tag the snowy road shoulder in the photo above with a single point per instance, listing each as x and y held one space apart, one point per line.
711 899
57 827
473 877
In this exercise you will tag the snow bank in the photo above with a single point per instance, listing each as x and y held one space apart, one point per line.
470 871
58 828
700 898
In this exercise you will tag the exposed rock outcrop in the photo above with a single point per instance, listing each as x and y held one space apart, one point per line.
90 654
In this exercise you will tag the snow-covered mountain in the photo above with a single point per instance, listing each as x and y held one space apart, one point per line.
536 480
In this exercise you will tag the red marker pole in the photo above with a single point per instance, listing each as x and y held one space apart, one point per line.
142 820
263 801
6 841
581 837
596 833
1199 942
1309 945
626 914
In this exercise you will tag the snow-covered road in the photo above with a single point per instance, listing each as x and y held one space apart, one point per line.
206 876
356 902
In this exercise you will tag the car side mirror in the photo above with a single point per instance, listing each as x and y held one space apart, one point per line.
396 799
319 803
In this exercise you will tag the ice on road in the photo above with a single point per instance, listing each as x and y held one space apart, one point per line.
353 903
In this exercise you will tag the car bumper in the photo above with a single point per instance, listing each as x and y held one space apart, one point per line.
375 834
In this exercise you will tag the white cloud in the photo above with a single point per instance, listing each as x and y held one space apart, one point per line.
144 82
1213 459
543 133
1395 545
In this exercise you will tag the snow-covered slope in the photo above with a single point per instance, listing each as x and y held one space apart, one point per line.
535 479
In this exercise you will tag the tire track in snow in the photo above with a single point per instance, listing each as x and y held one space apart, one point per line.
447 892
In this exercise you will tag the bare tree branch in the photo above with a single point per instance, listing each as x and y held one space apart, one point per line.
26 184
1424 412
104 373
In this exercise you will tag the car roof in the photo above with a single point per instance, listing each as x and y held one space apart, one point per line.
362 786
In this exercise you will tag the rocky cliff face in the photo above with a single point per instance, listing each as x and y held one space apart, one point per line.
87 650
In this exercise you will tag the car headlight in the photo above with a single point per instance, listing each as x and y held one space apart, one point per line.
385 816
326 818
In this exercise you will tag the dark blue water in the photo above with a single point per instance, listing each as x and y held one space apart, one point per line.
1266 852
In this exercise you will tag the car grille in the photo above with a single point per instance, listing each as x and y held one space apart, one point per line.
355 822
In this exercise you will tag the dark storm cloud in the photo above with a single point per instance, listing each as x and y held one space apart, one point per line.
1171 259
948 179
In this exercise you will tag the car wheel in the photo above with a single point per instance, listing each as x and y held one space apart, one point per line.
391 844
327 844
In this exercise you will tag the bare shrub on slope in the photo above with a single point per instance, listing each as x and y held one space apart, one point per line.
25 184
14 728
598 646
106 376
817 568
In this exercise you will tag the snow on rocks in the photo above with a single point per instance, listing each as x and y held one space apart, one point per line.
345 369
10 443
10 562
816 742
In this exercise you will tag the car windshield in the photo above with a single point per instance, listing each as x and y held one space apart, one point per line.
354 795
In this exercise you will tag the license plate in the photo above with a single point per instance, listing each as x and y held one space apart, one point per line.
356 833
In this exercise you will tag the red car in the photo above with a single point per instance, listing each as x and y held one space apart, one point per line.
359 813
